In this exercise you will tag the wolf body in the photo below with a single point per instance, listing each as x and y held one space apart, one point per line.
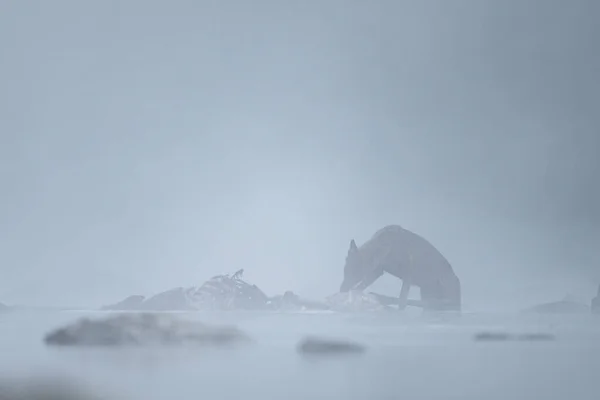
409 257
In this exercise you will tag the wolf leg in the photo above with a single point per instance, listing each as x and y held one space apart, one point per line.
406 283
404 293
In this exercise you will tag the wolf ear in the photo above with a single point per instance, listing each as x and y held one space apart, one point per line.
353 247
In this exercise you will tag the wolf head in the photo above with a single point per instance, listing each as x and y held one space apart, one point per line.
353 269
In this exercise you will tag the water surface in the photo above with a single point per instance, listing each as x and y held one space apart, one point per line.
410 356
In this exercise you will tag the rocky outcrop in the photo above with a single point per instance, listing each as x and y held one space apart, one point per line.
142 330
222 292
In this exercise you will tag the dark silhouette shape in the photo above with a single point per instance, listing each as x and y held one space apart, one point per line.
316 346
504 337
221 292
408 257
141 330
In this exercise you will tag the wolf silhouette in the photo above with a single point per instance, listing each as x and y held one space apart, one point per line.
409 257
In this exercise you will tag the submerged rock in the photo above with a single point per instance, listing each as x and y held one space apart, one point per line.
535 337
142 330
491 336
316 346
503 337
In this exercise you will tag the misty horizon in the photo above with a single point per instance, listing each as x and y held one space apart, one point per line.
153 145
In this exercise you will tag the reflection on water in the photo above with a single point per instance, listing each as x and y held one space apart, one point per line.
408 355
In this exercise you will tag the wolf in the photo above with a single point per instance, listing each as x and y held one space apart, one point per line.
409 257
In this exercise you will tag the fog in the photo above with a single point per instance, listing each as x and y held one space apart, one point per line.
149 145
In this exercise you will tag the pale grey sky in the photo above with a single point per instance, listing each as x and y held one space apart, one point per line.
146 145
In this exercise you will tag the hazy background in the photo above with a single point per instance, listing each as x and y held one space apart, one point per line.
146 145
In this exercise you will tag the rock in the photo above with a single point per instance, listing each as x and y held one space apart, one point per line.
491 337
222 292
354 301
316 346
503 337
177 299
142 330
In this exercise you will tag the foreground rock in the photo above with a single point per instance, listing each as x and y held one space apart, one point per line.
44 388
142 330
596 303
316 346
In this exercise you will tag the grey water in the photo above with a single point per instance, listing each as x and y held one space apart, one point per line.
409 355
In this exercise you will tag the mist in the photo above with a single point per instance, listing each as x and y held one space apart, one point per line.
149 145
